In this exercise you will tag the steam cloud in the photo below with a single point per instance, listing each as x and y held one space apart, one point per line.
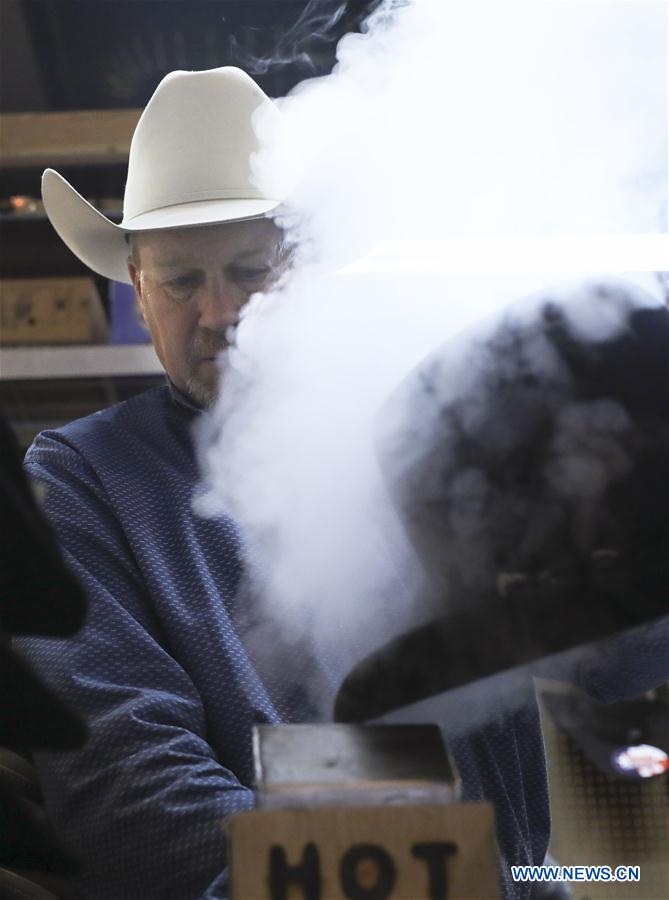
439 119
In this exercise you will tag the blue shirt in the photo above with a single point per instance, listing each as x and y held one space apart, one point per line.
163 677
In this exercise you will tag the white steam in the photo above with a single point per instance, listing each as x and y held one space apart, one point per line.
440 119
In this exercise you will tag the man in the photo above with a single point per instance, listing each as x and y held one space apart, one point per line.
160 671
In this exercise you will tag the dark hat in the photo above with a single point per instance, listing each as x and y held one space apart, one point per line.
529 461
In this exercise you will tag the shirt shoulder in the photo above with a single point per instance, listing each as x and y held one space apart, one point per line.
151 419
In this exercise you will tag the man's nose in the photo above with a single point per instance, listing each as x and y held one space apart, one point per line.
220 303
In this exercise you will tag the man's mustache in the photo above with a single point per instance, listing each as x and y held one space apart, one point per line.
207 347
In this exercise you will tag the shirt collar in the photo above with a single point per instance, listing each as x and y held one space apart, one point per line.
182 399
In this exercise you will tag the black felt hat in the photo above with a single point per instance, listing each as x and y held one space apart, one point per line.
529 462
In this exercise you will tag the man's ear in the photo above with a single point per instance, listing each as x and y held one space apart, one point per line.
133 272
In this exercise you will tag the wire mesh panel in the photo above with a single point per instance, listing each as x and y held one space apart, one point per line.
602 820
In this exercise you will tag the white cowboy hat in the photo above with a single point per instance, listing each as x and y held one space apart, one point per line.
190 164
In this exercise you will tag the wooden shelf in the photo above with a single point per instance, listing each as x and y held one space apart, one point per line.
76 361
47 386
98 136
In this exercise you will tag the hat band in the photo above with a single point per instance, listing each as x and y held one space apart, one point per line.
195 196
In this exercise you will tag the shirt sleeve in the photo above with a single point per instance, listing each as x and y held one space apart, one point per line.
142 804
621 667
628 665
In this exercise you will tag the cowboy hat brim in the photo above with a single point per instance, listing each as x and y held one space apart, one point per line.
101 244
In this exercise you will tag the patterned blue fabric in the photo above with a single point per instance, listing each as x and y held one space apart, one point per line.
162 675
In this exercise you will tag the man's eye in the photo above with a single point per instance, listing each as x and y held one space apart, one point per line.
249 274
182 285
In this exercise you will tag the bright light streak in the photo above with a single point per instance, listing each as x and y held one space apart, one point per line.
529 254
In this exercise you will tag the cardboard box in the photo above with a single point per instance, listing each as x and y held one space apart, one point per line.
398 852
51 311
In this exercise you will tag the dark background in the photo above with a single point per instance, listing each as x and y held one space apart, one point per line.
103 54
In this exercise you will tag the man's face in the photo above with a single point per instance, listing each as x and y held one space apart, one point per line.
191 285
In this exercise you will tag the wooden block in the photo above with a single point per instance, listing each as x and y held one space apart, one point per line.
340 754
66 138
329 764
50 311
394 792
438 852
